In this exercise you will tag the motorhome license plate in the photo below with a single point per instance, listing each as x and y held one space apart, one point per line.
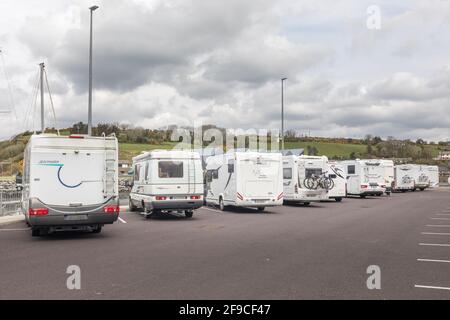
76 217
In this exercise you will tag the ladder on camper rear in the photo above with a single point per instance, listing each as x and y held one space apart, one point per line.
191 176
109 175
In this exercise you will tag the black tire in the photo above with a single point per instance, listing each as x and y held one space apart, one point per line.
261 208
221 204
97 230
422 189
305 204
188 213
35 232
362 196
131 206
338 199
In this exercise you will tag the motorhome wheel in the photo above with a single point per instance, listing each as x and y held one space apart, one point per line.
97 230
131 206
261 208
188 213
221 204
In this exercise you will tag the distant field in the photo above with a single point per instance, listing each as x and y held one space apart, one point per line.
329 149
130 150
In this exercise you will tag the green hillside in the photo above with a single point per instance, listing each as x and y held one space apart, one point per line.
329 149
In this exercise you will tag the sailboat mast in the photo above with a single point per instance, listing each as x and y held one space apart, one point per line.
41 65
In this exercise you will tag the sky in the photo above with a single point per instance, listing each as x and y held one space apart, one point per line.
353 67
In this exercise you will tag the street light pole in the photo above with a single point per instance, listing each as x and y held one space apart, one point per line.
92 9
282 113
41 85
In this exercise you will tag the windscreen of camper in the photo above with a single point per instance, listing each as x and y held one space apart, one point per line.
260 176
67 177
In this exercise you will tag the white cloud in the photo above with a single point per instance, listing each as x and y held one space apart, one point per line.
158 63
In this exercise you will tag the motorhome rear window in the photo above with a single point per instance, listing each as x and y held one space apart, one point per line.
170 169
351 169
310 172
287 173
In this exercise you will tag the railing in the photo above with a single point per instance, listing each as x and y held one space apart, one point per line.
10 202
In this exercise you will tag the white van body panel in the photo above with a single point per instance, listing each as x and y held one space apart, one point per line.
63 171
389 175
421 176
337 173
404 177
433 174
167 180
245 179
295 170
364 177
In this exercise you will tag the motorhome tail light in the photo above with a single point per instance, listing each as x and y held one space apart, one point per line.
195 197
38 211
111 209
363 186
239 196
73 136
280 196
161 198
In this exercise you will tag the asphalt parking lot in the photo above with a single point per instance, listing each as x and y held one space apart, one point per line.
288 252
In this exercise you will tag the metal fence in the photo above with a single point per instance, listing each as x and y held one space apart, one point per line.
10 202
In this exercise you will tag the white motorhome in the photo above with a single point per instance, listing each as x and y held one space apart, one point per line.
296 169
167 180
336 171
364 177
70 183
421 177
403 178
244 179
433 174
389 178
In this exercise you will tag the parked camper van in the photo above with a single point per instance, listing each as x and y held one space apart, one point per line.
388 166
403 178
296 171
336 171
244 179
70 183
433 174
421 177
167 181
365 177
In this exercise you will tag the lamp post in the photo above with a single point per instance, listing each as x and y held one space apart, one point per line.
282 113
92 9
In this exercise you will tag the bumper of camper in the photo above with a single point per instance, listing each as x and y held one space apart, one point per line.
373 192
173 204
64 216
307 196
256 203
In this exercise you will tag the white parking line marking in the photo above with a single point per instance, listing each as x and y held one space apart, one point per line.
19 229
433 260
121 220
435 244
438 225
210 209
437 233
431 287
